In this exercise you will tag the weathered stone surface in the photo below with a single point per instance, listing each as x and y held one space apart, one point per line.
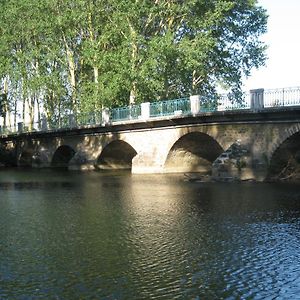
204 147
234 163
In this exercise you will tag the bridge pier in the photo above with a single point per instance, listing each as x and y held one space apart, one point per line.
143 163
41 159
238 163
81 162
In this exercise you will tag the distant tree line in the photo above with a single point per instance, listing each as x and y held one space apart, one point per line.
66 56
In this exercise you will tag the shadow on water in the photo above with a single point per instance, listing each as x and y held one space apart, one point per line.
34 185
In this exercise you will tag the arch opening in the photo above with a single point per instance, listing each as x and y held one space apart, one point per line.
62 156
117 155
193 152
7 157
25 159
285 161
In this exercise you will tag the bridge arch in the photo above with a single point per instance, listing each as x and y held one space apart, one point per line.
62 156
116 155
193 152
284 160
25 159
282 138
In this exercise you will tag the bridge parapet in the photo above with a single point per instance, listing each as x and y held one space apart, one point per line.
208 144
257 99
194 106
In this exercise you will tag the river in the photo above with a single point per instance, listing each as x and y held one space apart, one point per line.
71 235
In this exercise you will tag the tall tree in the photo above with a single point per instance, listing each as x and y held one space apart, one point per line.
65 56
190 46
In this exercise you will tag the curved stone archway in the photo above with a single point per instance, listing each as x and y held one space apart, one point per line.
193 152
7 156
25 159
282 137
285 160
117 155
62 156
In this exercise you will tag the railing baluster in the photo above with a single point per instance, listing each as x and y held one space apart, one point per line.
274 98
282 97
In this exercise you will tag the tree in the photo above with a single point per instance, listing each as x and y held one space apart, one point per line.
61 57
183 47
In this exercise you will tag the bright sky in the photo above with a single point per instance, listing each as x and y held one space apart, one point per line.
283 39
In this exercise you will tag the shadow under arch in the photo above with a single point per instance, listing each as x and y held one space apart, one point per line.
62 156
7 157
117 155
25 159
285 161
193 152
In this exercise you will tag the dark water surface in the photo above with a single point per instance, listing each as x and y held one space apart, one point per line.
68 235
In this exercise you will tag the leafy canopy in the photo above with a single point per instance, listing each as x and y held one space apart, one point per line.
85 54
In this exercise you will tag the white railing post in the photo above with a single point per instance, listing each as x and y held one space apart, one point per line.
257 99
105 116
195 104
44 124
72 121
145 110
20 127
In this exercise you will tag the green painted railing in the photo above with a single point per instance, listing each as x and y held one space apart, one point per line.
87 119
60 123
257 99
180 106
125 113
7 130
224 103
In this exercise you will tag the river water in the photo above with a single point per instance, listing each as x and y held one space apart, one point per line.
68 235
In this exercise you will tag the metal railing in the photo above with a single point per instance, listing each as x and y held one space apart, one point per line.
255 100
88 119
224 103
227 103
131 112
7 130
177 107
62 122
282 97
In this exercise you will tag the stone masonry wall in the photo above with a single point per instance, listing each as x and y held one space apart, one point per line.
153 145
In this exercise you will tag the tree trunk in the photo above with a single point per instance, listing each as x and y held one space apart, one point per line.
96 82
15 112
134 57
38 110
72 74
5 104
31 105
72 68
133 93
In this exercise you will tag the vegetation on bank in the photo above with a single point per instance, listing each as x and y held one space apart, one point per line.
288 171
63 56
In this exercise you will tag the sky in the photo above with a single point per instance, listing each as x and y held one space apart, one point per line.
283 40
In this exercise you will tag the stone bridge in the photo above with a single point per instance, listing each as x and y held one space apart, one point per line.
243 143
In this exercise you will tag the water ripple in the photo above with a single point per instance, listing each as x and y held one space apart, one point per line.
121 238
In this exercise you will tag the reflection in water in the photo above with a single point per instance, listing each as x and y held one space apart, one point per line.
33 185
67 235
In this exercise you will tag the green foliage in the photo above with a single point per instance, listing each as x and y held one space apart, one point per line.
240 164
87 54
